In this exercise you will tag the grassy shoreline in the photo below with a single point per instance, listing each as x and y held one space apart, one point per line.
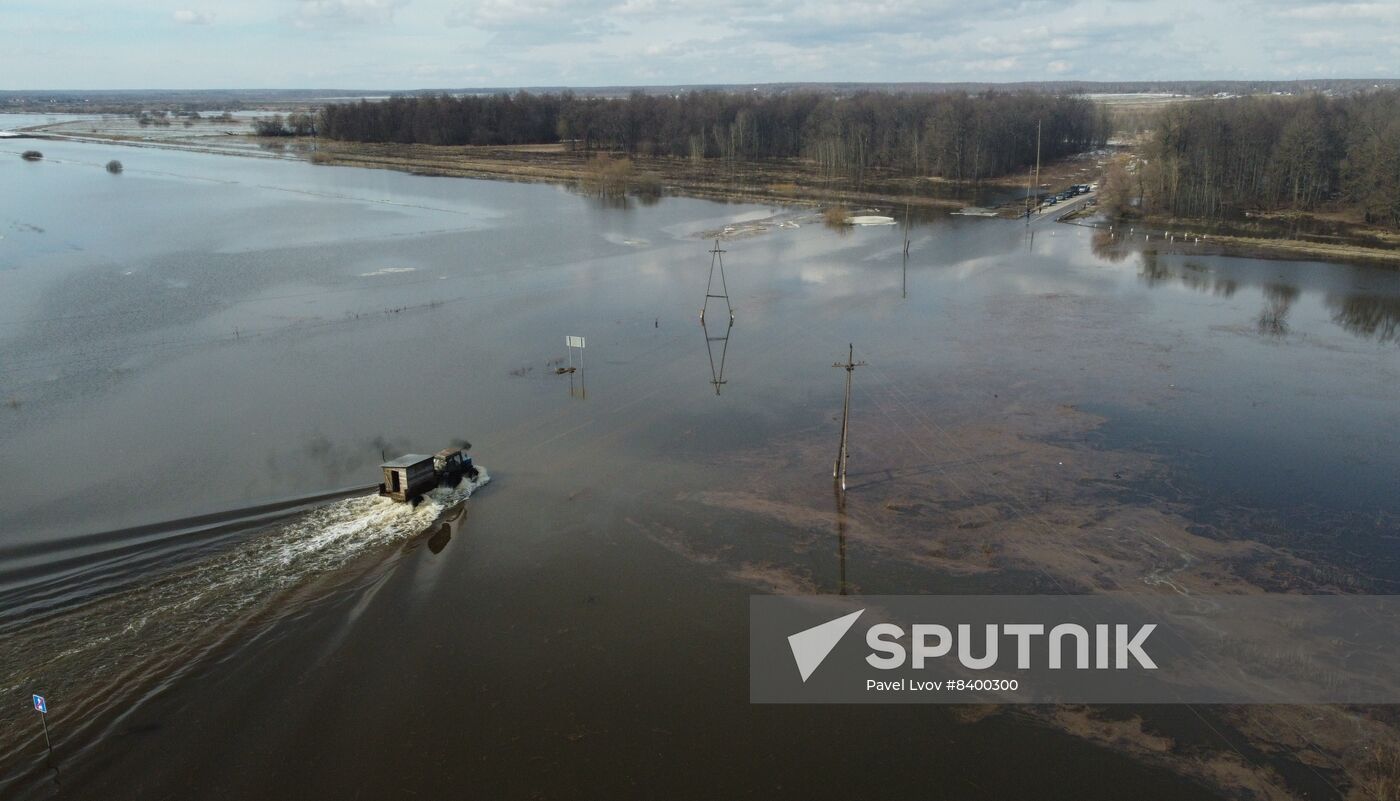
1372 246
780 181
787 182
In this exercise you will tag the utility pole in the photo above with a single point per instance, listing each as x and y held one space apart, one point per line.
838 470
906 229
904 280
716 257
1037 167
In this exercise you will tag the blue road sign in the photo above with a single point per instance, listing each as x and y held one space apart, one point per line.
41 704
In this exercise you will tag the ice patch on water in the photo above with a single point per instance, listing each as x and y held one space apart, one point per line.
619 239
389 271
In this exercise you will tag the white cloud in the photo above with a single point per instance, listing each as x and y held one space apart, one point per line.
339 13
998 65
1315 39
1343 11
187 16
403 44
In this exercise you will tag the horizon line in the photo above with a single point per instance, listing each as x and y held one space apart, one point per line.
755 84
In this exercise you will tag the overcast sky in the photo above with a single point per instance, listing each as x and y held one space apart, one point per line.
370 44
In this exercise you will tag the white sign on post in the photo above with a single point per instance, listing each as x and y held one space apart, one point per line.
572 342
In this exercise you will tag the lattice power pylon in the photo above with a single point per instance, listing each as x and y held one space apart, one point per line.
717 258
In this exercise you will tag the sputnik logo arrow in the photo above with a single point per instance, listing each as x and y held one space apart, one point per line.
811 646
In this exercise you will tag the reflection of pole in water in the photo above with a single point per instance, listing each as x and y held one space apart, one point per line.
717 373
841 542
717 258
838 470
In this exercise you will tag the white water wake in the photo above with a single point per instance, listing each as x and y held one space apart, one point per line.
98 659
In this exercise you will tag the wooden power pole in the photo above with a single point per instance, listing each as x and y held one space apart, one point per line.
838 470
904 278
1037 166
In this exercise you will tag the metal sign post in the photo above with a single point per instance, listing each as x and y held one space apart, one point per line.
572 342
41 705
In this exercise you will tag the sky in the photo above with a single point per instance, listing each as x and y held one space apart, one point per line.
410 44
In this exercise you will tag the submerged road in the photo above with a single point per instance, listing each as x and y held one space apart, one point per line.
1060 209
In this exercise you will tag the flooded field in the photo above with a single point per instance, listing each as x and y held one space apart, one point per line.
204 359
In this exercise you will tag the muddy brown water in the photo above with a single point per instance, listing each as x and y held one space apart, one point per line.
201 353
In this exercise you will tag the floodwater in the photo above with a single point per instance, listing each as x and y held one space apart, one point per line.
204 359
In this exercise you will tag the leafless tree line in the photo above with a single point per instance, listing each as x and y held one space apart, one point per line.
1217 158
966 137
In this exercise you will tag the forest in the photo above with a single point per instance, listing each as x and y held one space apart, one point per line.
955 135
1219 158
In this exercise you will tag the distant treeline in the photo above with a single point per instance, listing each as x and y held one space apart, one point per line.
295 124
953 134
1217 158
